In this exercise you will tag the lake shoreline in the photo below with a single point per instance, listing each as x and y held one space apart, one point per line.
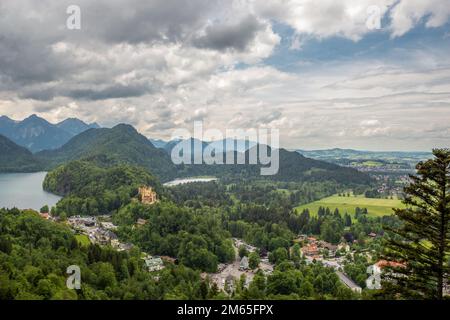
25 191
180 181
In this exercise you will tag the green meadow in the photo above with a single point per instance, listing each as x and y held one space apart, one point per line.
375 207
82 239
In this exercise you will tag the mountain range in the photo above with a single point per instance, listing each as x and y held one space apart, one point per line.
122 144
36 134
220 146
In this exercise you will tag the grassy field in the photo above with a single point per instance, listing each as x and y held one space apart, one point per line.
82 239
369 163
375 207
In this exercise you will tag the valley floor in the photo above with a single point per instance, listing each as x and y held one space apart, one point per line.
375 206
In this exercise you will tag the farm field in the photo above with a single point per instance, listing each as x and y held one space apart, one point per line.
82 239
375 207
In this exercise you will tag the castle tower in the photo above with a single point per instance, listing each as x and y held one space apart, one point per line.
148 196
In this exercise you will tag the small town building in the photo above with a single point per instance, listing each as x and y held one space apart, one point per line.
330 247
310 250
153 263
45 215
109 225
141 222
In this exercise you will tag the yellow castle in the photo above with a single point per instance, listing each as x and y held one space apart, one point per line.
147 195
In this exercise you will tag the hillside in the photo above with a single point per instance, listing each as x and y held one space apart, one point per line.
14 158
295 166
80 182
292 167
121 144
221 146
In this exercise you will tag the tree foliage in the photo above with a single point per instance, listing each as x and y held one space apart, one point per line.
422 243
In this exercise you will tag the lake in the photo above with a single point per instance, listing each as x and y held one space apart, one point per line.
188 180
24 191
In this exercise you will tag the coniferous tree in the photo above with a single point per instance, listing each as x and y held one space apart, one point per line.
421 245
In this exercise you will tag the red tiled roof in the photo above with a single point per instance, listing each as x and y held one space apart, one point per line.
384 263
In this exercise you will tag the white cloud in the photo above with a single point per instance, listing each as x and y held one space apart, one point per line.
348 18
345 18
160 65
406 14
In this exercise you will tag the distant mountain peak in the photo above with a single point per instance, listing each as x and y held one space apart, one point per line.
76 126
36 133
125 127
34 117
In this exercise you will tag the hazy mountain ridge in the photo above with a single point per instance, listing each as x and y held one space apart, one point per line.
220 146
76 126
37 134
362 154
122 144
292 167
381 159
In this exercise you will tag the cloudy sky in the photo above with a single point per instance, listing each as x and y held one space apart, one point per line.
317 70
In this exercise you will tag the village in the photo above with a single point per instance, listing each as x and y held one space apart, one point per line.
313 249
227 274
100 230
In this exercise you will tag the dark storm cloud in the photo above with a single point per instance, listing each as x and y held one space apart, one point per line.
110 92
24 61
230 36
29 30
138 21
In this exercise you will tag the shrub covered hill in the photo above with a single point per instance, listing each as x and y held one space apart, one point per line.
121 144
88 188
14 158
292 167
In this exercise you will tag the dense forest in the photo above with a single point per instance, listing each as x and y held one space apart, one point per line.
99 172
91 190
14 158
119 145
35 254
